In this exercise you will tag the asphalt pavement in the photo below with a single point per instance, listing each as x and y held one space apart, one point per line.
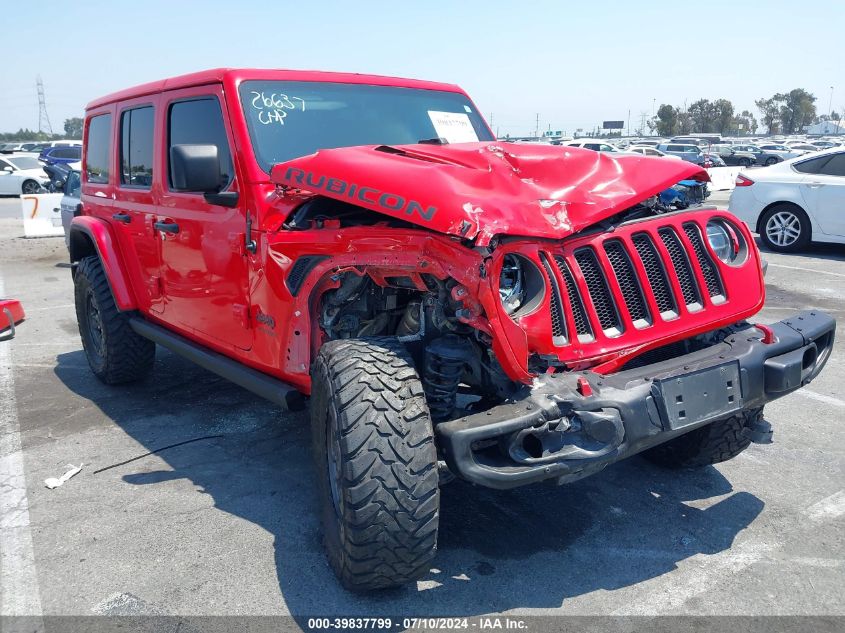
227 524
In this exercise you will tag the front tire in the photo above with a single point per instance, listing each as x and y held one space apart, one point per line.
785 228
745 162
771 160
716 442
376 461
116 354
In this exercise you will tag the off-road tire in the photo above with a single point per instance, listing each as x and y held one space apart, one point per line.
117 354
380 526
716 442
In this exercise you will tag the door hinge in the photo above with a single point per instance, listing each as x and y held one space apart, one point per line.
241 314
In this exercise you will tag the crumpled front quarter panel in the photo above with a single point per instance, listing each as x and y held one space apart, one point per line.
479 190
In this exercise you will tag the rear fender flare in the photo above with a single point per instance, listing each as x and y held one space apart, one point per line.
93 236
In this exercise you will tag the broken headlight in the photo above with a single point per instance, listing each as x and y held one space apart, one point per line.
512 284
521 285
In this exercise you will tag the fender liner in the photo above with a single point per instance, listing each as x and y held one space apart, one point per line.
87 231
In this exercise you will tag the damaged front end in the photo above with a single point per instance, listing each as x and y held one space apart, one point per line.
556 323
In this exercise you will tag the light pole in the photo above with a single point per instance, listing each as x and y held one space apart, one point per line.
830 103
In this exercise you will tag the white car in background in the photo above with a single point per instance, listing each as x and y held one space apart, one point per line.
593 144
647 150
783 151
21 173
795 202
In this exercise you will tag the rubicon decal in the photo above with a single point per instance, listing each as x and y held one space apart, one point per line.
369 195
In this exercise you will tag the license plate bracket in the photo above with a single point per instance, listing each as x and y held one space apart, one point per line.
702 395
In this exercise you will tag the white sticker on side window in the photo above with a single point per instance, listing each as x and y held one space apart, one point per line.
455 127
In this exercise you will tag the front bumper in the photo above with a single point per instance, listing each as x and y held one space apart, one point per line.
568 426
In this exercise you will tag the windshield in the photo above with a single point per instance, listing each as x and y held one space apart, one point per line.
25 162
287 119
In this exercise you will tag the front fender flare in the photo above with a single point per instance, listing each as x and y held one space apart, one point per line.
90 236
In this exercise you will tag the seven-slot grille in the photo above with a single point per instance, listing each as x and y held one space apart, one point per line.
627 282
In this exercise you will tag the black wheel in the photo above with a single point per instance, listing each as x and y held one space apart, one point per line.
744 162
717 442
115 352
376 463
771 160
785 228
29 187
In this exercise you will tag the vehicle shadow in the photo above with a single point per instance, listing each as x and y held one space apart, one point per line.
814 251
534 547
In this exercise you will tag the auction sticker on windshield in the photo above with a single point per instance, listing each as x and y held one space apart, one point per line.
455 127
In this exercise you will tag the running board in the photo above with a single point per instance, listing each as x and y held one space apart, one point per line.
260 384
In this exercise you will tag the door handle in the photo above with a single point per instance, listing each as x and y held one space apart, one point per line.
166 227
815 184
122 217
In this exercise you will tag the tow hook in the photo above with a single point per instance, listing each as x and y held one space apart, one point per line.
761 432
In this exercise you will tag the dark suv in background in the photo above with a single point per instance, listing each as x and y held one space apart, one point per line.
62 154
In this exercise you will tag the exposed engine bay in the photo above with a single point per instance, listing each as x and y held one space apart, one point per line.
451 356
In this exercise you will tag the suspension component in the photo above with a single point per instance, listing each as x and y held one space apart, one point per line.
445 359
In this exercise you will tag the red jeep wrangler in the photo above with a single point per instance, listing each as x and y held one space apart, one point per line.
454 306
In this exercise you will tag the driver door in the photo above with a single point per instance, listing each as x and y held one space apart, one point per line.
204 271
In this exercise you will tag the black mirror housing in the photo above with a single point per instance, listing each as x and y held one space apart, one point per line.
195 168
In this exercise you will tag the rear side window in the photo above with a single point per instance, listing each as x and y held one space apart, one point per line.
98 150
835 166
136 147
812 166
65 152
200 122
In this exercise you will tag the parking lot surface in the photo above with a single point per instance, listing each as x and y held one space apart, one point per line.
228 524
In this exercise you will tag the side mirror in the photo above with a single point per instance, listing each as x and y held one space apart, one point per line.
195 168
7 170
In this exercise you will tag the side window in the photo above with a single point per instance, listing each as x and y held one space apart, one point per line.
98 150
136 147
72 184
200 122
835 166
812 166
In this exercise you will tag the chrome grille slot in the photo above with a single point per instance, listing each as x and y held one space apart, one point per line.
656 273
682 267
579 316
600 295
618 257
555 304
705 263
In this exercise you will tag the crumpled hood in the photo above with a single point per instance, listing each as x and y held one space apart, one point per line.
478 190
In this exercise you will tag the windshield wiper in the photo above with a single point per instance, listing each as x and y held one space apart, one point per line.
437 140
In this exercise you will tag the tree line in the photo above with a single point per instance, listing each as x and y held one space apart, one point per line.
782 113
72 126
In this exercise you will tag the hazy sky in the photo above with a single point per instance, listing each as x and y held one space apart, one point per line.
575 64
